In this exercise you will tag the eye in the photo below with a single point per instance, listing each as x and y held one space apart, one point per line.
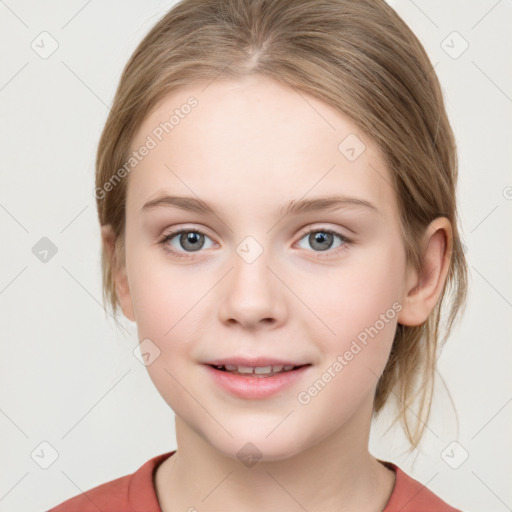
322 239
192 240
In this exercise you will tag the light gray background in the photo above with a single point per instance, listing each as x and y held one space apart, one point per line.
70 379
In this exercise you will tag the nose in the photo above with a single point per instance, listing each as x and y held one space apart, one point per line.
252 294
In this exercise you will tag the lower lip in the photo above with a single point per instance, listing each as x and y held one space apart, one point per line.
255 387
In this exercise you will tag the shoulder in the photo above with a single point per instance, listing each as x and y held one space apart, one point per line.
127 493
409 495
111 494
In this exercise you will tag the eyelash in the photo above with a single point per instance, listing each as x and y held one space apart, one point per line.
346 241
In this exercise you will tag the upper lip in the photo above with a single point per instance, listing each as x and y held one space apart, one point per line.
254 362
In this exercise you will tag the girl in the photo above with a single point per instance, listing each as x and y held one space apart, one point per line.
276 193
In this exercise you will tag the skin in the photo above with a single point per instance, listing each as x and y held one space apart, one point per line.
248 148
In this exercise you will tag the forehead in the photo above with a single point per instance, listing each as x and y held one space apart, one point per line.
255 140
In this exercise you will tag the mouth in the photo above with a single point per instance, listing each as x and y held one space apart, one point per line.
257 371
257 382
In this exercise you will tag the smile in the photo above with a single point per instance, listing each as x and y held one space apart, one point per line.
256 371
255 382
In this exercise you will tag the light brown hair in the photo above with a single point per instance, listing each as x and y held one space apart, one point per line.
359 57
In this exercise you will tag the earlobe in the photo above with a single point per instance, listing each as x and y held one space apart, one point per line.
424 288
119 272
123 294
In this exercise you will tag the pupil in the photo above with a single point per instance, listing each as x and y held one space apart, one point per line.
191 240
320 240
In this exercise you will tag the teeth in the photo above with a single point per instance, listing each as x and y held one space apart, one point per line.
264 369
245 369
258 370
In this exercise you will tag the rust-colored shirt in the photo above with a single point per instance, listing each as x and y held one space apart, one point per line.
136 493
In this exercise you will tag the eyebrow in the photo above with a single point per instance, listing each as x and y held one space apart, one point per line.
294 207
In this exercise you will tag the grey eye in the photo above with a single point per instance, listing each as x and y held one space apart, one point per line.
322 239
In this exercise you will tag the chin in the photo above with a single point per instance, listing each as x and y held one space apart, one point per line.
255 446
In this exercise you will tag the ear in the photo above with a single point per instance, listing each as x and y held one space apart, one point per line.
119 271
423 289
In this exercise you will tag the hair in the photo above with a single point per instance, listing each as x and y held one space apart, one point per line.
359 57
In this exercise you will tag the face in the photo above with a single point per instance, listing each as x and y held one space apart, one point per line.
320 287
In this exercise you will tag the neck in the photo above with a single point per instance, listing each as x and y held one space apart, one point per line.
337 473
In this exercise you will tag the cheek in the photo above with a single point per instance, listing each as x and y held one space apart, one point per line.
358 306
366 283
354 357
164 294
169 311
